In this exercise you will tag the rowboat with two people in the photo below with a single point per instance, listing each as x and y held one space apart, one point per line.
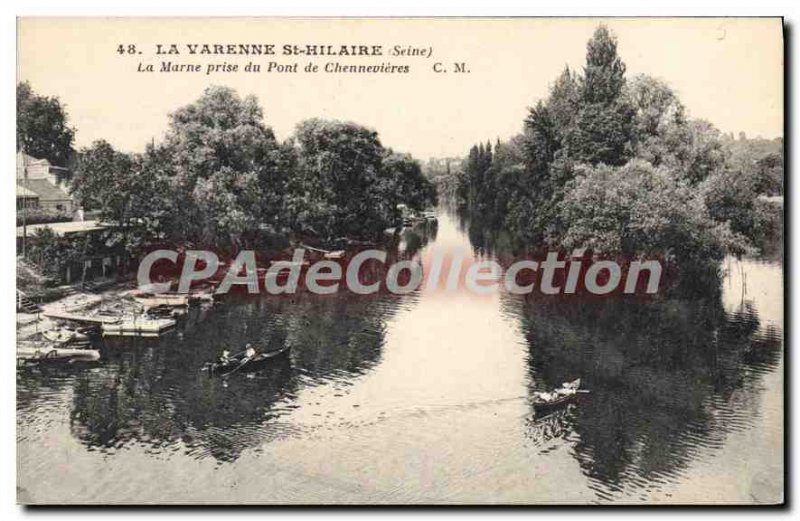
247 361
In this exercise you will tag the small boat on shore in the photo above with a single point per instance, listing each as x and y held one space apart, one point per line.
548 401
96 318
63 335
162 299
163 311
323 253
242 363
31 353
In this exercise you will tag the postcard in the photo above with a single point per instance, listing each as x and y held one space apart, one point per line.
400 261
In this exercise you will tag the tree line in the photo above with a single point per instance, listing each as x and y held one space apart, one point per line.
618 166
220 178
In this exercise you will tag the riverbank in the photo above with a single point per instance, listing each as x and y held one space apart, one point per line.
445 378
43 300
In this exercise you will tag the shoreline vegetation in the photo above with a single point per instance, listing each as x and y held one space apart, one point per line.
616 165
220 179
606 163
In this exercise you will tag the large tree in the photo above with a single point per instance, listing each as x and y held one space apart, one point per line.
620 167
227 170
603 130
405 182
342 180
100 180
42 128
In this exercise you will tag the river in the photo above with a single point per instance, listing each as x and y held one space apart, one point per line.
425 398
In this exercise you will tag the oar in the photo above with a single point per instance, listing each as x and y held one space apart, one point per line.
242 364
585 391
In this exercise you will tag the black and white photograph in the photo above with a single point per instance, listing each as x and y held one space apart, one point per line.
400 261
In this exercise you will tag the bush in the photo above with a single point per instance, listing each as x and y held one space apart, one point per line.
42 216
639 209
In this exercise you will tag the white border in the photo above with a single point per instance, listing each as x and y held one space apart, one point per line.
229 8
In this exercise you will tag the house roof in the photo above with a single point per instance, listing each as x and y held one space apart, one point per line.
24 161
46 190
25 193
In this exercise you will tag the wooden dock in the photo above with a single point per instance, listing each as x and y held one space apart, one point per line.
139 327
86 319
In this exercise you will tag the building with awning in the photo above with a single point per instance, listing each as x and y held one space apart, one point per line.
26 198
46 181
50 196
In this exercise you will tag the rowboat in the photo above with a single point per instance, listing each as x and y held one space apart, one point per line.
164 311
33 354
325 254
244 364
547 401
162 299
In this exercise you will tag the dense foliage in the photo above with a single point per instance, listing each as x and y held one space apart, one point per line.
42 129
618 166
221 179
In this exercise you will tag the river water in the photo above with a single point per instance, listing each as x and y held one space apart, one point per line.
425 398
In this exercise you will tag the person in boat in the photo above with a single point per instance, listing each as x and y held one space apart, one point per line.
545 396
249 352
225 357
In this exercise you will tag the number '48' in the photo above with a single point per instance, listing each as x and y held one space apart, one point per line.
126 49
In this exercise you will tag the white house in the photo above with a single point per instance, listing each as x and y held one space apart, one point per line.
42 185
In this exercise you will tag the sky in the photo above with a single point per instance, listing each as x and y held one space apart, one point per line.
728 71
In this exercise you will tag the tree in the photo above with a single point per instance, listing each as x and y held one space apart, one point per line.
665 135
445 175
128 191
619 167
660 122
341 179
769 174
42 129
603 129
52 253
348 185
406 183
761 158
564 101
604 72
220 150
731 197
638 209
100 181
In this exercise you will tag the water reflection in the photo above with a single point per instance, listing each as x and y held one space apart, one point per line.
666 378
424 397
151 393
670 379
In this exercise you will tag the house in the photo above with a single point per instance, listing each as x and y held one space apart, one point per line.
26 198
42 185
